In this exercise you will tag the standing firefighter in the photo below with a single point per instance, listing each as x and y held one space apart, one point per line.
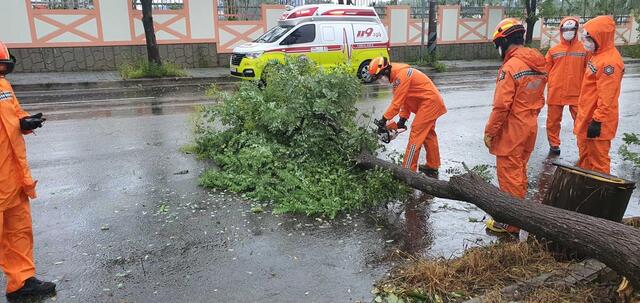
597 120
511 131
16 187
413 92
566 63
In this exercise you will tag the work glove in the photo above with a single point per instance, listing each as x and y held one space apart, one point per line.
402 123
487 141
31 122
594 129
382 125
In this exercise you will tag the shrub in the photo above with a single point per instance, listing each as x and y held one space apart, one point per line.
293 142
144 69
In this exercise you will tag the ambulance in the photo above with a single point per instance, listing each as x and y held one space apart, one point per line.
326 34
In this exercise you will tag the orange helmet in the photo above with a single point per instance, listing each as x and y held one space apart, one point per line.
377 65
6 58
507 27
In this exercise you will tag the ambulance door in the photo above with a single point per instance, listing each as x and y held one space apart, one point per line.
331 35
302 42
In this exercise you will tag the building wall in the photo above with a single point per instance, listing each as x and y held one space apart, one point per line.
195 36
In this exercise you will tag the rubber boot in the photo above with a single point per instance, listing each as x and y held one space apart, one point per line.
33 288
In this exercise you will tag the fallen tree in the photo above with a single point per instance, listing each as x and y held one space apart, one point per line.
614 244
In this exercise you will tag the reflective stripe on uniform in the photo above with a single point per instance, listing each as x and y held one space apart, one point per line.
412 153
5 95
592 67
525 73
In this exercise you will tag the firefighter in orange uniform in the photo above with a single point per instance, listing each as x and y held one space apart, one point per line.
413 92
16 188
597 120
510 133
566 63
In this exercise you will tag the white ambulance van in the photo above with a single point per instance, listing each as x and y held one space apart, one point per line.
326 34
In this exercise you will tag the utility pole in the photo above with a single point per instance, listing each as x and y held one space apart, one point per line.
431 45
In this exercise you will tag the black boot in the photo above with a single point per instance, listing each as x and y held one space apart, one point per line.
430 172
32 288
554 150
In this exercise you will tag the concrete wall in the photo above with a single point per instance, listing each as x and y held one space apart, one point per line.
467 51
99 58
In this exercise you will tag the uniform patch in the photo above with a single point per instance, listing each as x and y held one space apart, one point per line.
608 70
5 96
501 75
396 83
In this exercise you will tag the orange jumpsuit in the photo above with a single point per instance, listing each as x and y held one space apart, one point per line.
16 187
599 96
566 63
413 92
513 123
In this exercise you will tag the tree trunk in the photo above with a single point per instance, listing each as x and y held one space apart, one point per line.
612 243
433 24
531 18
153 54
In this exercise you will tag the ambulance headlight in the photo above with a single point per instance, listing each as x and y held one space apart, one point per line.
254 55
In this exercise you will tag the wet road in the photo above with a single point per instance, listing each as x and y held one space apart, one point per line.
120 217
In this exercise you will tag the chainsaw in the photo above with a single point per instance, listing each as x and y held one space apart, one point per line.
390 132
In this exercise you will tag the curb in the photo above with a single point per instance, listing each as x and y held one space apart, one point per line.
53 86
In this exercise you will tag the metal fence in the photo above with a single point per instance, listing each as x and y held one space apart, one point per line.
555 21
231 10
160 4
62 4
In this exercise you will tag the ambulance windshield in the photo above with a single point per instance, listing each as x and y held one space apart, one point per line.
274 34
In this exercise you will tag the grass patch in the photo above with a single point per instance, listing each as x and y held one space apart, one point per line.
293 142
144 69
481 270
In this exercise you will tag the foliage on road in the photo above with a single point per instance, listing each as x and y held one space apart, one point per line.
144 69
479 271
630 150
293 142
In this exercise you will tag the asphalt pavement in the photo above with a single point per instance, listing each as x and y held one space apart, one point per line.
120 216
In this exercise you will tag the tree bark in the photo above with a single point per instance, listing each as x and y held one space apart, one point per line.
153 54
612 243
531 18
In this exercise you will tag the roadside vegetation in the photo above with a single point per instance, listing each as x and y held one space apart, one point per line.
630 150
145 69
292 143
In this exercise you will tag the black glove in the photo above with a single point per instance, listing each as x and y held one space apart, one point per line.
594 129
31 122
402 123
382 125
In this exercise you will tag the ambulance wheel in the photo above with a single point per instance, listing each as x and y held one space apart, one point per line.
363 72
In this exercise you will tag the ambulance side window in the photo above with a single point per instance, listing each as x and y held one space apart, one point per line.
304 34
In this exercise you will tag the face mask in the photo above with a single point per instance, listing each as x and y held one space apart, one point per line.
589 44
568 35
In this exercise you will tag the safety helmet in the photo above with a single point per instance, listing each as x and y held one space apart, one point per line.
506 28
377 65
6 58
